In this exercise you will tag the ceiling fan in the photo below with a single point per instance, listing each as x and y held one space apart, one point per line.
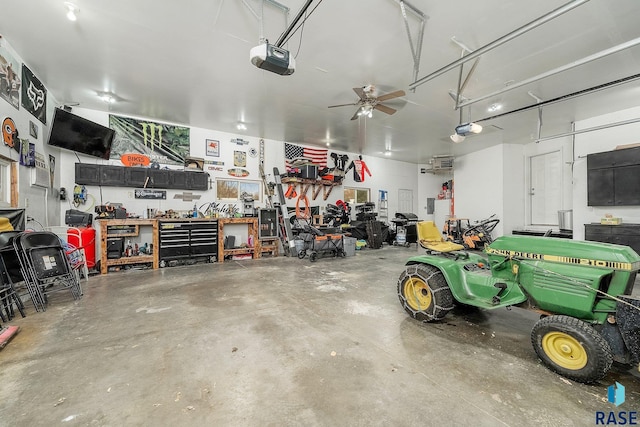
369 101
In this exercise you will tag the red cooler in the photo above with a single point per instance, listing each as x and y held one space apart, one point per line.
85 238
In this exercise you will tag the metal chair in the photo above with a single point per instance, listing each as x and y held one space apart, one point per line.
45 267
10 276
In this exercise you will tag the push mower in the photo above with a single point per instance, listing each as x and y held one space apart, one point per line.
581 289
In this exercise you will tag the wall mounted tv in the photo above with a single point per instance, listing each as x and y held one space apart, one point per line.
78 134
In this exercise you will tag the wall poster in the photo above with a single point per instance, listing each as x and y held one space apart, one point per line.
9 79
34 95
162 143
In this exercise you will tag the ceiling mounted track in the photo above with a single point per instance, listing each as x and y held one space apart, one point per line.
540 103
416 49
486 48
260 16
585 60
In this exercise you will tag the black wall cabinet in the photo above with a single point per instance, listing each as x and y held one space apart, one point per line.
120 176
613 178
626 234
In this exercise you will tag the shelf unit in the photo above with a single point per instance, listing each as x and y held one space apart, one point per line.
131 228
317 184
252 224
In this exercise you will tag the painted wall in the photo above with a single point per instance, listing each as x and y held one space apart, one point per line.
479 185
40 203
429 185
386 174
514 190
595 142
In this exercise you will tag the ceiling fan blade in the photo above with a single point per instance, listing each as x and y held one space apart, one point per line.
391 95
357 114
385 109
342 105
360 92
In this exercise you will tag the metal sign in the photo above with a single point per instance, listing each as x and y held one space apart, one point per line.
145 193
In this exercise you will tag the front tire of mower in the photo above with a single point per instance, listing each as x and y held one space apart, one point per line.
424 293
572 348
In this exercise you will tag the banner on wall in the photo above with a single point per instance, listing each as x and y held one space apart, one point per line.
316 155
9 78
34 95
162 143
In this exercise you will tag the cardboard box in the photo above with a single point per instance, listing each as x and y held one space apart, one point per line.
611 221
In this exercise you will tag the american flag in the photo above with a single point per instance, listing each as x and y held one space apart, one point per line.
318 156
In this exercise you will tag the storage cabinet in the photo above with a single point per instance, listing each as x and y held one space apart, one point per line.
187 239
87 174
112 176
120 176
626 234
613 178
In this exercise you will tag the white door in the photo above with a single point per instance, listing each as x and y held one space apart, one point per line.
545 194
405 201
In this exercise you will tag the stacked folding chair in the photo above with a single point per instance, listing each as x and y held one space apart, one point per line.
45 267
10 275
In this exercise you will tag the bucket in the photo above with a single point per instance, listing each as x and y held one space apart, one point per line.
565 220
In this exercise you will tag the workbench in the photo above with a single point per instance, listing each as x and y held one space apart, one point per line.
252 224
127 228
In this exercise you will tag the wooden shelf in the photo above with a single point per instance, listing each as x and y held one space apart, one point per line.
316 184
105 262
252 224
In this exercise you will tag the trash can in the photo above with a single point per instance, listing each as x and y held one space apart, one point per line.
349 245
565 220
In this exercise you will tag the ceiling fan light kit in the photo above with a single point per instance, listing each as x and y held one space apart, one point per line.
368 101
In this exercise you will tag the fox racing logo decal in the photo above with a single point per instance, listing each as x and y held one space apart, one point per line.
36 96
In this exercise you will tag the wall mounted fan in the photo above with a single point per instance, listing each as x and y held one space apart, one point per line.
369 101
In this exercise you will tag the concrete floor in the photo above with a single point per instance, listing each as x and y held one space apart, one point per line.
281 341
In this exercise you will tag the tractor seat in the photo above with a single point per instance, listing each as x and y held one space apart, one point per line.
430 238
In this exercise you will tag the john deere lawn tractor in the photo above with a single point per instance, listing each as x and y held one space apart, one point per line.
581 289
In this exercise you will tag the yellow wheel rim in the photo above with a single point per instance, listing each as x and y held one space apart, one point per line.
418 294
564 350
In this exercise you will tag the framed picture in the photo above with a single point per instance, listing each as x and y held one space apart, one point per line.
232 189
213 147
33 129
239 158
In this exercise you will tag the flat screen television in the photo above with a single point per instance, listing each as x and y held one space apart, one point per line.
78 134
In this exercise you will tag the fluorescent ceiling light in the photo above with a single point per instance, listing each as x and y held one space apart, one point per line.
72 11
107 97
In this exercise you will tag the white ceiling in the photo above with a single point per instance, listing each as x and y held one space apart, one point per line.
188 63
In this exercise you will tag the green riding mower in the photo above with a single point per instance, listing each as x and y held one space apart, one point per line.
581 289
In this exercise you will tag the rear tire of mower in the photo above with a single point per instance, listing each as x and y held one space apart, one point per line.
424 293
572 348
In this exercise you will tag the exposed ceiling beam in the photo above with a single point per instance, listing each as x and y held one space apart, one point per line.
488 47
